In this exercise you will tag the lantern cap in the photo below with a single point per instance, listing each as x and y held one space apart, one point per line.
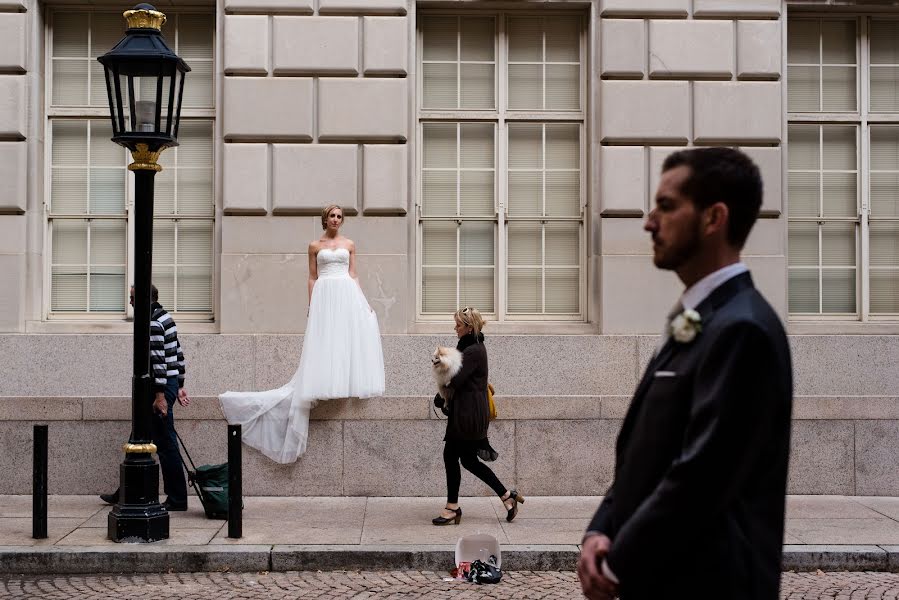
144 16
143 46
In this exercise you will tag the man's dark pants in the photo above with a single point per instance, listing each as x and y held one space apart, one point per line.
163 435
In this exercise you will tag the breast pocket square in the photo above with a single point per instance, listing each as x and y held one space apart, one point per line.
660 374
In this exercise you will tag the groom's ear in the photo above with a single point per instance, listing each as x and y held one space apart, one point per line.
715 218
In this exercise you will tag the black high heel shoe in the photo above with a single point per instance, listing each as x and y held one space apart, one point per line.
447 520
516 499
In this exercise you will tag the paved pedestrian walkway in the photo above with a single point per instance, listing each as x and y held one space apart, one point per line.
291 533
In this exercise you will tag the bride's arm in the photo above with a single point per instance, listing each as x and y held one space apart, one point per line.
353 261
313 268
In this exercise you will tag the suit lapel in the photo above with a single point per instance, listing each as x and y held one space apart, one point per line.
706 309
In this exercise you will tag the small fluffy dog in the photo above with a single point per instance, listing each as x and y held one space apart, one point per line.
445 364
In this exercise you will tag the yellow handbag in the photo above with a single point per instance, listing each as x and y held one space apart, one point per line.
490 403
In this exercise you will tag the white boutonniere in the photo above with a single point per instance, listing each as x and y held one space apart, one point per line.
685 326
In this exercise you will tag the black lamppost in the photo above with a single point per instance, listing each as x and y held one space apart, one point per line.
145 84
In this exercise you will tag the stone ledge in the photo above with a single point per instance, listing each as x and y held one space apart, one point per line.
417 407
834 558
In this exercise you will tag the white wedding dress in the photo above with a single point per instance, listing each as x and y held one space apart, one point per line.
341 358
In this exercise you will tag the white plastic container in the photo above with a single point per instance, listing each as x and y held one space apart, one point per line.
477 546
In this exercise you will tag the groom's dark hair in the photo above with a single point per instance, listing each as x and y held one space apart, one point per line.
722 175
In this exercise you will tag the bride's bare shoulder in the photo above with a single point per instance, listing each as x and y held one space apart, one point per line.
314 246
350 244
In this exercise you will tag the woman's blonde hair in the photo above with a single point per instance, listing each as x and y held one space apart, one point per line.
471 317
327 210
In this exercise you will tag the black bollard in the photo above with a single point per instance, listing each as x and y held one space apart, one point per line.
235 491
39 484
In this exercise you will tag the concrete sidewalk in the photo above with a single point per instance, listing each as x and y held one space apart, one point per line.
310 533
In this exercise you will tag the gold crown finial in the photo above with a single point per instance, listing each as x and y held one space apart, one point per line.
144 16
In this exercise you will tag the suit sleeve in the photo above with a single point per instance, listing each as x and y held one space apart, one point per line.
601 521
735 398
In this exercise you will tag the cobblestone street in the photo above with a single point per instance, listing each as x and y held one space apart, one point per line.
400 584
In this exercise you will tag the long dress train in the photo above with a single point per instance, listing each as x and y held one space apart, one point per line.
341 358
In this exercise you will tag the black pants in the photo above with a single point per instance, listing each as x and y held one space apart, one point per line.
465 452
163 435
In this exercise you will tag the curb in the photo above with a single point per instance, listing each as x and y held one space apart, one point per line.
128 558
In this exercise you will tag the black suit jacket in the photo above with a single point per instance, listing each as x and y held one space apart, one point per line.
696 508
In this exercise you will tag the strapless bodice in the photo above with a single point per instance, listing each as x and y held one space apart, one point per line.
333 262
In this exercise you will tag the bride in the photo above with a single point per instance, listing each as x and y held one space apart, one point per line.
341 356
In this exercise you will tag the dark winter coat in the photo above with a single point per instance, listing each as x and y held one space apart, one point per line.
468 414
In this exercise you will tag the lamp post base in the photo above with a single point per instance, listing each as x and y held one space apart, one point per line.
138 517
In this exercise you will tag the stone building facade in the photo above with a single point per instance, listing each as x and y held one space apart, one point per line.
501 154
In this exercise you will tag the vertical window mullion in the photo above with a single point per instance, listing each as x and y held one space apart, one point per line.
862 271
820 269
501 170
459 62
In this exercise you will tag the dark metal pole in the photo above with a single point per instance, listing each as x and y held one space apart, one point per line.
235 488
139 516
39 485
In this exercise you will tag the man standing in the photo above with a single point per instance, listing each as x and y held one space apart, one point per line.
167 369
696 508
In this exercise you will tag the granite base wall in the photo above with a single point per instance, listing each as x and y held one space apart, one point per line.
561 400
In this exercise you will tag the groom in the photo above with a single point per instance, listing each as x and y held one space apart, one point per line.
696 508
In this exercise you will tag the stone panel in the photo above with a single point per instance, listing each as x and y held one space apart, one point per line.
13 106
736 8
691 49
625 236
307 177
645 111
12 234
404 458
32 408
266 107
565 458
315 45
12 51
724 111
215 363
369 7
771 167
245 184
876 457
269 6
846 407
822 367
523 408
384 179
623 48
673 8
264 293
769 273
111 408
71 469
373 409
277 358
622 180
384 280
640 297
13 174
758 49
269 235
246 45
767 238
363 109
377 235
821 458
12 292
385 43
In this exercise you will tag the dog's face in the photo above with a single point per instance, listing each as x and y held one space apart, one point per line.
440 359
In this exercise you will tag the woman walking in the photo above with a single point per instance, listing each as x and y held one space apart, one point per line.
467 421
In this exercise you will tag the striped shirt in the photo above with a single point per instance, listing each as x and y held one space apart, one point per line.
166 358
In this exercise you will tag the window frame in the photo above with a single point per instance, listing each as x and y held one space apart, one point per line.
863 118
90 113
501 116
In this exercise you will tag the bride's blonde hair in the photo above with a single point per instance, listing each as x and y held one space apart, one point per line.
327 210
471 317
